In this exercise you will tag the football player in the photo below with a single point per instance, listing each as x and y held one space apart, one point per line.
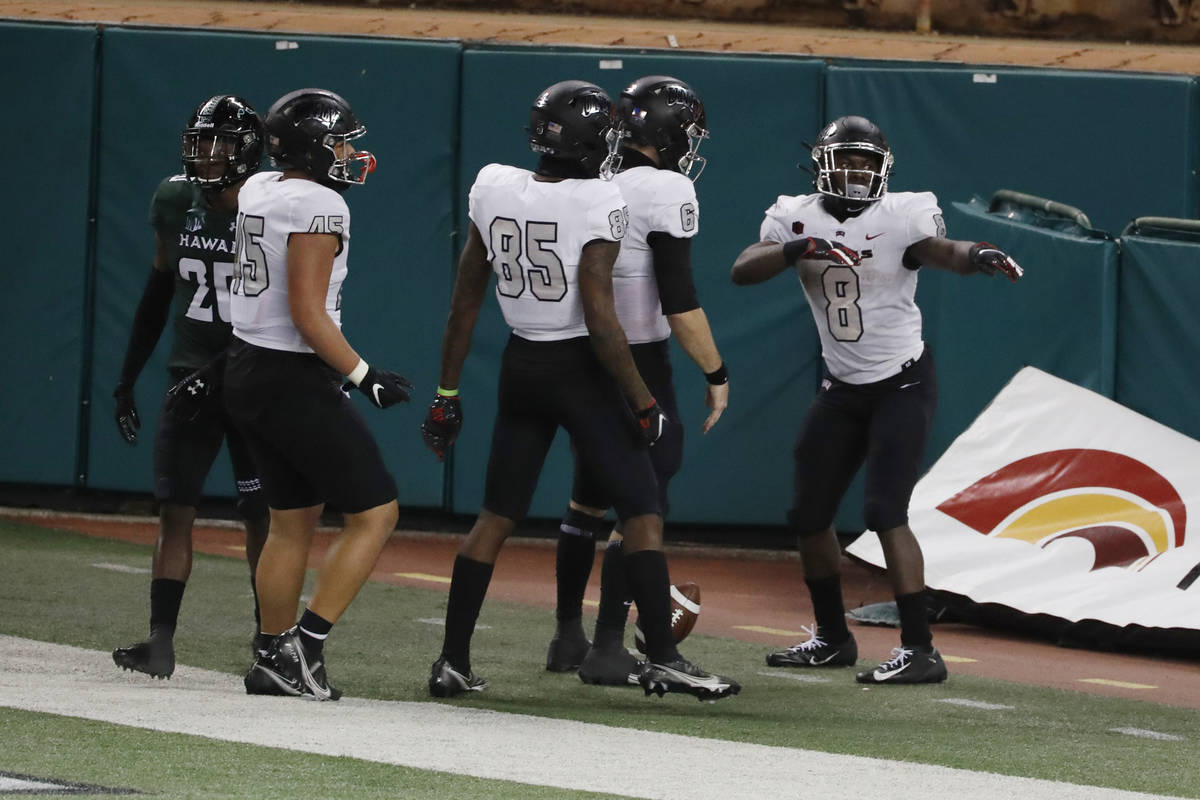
856 248
283 385
664 122
551 236
193 216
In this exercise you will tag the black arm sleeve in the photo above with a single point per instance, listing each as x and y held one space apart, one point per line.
148 323
673 272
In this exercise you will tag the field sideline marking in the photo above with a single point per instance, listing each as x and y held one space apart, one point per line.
69 681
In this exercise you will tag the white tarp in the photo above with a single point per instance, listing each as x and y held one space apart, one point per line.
1059 501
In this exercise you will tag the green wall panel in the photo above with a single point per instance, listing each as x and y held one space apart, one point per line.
1117 145
759 110
405 92
45 208
1158 333
1061 317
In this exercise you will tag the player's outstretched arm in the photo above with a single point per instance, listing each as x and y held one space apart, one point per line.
963 257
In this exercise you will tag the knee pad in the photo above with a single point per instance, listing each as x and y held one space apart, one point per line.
577 523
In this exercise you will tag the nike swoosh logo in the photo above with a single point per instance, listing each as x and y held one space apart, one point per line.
881 674
914 383
876 236
375 388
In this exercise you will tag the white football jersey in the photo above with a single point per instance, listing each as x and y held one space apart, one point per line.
866 315
269 211
659 200
535 232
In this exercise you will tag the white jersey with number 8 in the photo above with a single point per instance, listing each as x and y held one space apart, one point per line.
866 316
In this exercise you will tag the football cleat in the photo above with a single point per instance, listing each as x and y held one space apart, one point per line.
682 675
567 648
611 665
908 665
446 681
155 656
269 673
816 652
264 677
289 653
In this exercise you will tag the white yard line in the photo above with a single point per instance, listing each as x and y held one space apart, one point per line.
455 738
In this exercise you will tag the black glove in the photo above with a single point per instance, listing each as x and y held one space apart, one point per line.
126 415
814 249
651 422
384 388
989 259
442 424
195 393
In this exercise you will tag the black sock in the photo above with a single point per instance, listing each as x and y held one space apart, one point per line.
572 566
468 586
166 595
828 608
914 620
313 629
650 584
614 591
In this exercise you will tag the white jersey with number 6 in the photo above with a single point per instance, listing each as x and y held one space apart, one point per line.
659 200
535 232
270 210
867 317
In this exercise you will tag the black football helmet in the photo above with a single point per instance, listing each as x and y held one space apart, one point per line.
222 143
859 186
305 131
665 113
575 121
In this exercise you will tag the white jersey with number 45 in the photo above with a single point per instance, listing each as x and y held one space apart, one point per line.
866 316
270 210
535 232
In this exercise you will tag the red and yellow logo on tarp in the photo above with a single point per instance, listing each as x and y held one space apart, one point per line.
1127 511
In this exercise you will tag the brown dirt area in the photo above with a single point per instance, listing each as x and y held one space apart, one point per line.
609 31
749 596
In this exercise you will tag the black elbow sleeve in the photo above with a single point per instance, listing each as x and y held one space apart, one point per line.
673 272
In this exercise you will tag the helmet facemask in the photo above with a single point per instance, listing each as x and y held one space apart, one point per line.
695 135
214 158
611 164
858 186
348 169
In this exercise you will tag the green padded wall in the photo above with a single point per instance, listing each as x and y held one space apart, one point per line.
1158 333
1117 146
42 313
741 471
405 92
1061 317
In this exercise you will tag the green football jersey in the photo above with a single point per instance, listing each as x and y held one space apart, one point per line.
199 250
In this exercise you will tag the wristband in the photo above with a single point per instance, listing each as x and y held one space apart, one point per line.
793 250
358 373
447 392
718 376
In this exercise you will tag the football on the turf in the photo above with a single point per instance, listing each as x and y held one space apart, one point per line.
685 608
